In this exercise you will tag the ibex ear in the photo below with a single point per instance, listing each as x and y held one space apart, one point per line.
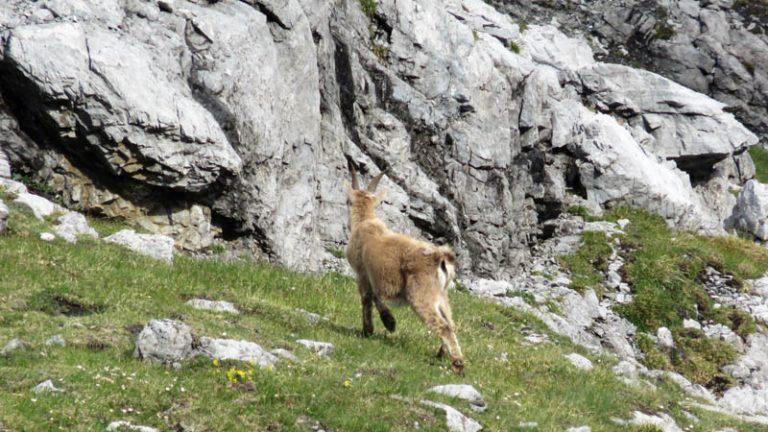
348 189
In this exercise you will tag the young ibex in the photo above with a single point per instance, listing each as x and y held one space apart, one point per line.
392 266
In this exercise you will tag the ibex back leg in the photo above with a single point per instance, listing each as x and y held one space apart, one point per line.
435 316
386 316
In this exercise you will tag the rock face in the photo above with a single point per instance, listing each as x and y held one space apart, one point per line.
235 118
718 48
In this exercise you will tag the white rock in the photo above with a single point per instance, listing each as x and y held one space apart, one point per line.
579 361
311 316
47 387
547 45
488 287
3 216
56 340
322 349
153 245
623 223
285 354
691 324
462 391
12 345
751 209
164 341
579 429
5 166
71 225
719 331
39 206
665 340
528 425
609 228
121 425
48 237
457 422
12 186
228 349
218 306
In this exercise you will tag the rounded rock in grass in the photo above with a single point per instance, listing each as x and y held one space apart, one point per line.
456 421
56 340
579 361
164 341
13 345
71 225
217 306
153 245
47 237
322 349
3 216
47 387
665 340
462 391
122 425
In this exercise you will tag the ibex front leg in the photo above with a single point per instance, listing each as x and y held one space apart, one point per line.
366 298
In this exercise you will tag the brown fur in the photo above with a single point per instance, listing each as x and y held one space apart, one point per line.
392 266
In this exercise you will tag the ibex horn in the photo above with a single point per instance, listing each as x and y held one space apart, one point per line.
353 172
375 182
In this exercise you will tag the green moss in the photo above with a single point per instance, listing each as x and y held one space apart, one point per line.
522 25
654 358
664 32
588 263
380 51
369 7
700 358
738 320
514 47
759 156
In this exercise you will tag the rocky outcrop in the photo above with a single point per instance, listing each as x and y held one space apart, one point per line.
751 210
718 48
236 118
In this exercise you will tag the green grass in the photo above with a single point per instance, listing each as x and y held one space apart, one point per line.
663 267
369 7
759 156
588 263
353 390
514 47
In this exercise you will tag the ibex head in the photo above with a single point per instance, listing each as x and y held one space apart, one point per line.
363 197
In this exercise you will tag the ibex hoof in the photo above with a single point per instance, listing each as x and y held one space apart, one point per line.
389 321
458 366
441 352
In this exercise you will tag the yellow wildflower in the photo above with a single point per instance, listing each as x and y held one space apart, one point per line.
347 382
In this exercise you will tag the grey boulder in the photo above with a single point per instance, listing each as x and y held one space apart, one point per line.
164 341
751 210
72 225
152 245
464 392
455 420
227 349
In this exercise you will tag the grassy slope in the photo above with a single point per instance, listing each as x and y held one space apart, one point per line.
663 268
104 382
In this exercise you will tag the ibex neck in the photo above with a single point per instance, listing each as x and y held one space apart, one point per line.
358 214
